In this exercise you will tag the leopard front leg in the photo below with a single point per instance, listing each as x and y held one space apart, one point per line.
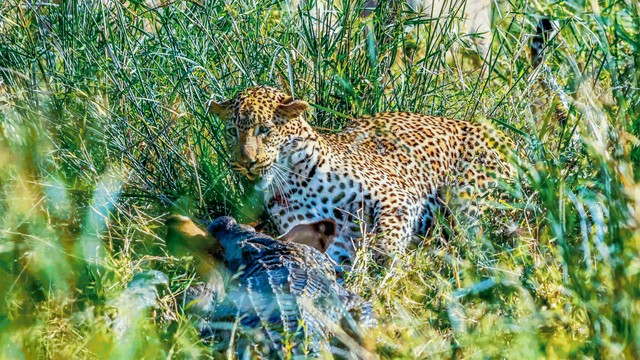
393 229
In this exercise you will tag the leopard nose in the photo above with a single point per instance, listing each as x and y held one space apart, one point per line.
246 161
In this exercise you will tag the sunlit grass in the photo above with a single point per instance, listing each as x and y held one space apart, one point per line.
103 132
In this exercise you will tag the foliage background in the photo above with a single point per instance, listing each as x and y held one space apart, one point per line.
103 132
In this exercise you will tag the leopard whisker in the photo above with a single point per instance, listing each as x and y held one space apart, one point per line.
277 171
289 170
279 180
282 183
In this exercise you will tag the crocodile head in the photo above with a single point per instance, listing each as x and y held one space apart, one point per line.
226 230
239 242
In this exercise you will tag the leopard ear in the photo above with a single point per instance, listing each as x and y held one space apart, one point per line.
318 235
326 227
327 231
291 109
222 110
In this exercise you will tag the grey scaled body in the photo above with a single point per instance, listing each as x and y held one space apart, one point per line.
286 292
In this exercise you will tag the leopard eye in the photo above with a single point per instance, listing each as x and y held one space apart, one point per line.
232 132
263 130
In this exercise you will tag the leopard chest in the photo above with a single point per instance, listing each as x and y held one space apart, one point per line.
303 197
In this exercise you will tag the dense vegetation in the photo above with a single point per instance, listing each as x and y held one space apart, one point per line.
103 132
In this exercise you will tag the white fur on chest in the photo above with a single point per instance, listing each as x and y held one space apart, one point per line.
309 188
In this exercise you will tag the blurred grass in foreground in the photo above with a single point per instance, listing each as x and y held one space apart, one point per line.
103 132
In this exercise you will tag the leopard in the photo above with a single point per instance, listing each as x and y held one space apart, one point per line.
380 179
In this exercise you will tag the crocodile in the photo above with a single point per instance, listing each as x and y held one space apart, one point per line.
284 296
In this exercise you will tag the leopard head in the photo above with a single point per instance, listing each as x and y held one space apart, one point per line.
259 123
